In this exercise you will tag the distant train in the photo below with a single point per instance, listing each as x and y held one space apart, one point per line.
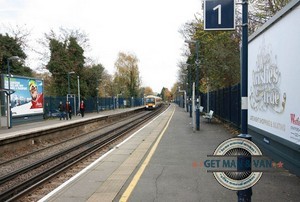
152 102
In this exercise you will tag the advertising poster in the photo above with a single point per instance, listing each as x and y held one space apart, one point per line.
28 96
273 79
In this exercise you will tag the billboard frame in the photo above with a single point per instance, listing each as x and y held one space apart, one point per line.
273 133
23 90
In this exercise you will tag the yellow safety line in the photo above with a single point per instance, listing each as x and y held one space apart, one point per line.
139 173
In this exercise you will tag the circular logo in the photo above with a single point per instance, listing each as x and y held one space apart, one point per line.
242 178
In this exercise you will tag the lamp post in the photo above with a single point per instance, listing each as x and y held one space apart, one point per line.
197 83
97 100
185 100
9 114
244 195
97 88
78 86
69 84
189 90
207 80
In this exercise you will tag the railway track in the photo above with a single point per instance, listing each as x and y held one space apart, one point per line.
58 144
21 181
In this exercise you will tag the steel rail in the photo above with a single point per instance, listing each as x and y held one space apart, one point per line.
28 155
24 187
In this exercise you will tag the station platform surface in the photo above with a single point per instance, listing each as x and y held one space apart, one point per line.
161 162
23 129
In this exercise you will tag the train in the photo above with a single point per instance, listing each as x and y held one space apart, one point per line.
152 102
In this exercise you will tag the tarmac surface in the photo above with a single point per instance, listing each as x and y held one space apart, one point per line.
163 162
174 173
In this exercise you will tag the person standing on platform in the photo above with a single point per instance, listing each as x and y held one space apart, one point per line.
82 108
67 110
61 109
70 110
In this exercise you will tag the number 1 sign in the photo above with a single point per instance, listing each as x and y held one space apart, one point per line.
219 15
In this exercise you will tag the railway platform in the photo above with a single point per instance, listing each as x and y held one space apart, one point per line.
161 162
23 129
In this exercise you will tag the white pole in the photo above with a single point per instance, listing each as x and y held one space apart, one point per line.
8 112
193 108
78 85
74 105
185 100
207 98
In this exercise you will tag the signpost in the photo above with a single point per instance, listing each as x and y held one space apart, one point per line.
219 14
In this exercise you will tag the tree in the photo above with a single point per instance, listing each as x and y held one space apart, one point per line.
9 47
166 95
67 56
219 51
106 85
148 91
182 75
91 80
58 66
263 10
127 78
218 56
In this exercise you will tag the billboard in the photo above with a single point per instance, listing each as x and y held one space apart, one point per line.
273 79
28 96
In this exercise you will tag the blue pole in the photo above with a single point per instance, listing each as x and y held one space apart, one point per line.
197 88
9 114
244 71
244 195
68 85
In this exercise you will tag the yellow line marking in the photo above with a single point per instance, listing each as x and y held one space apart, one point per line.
139 173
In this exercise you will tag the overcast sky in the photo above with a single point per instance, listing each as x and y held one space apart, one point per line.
149 29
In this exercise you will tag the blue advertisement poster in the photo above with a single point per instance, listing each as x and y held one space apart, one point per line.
28 96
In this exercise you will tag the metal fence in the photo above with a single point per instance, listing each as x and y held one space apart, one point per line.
108 103
226 104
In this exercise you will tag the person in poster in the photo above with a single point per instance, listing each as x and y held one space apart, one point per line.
28 97
36 98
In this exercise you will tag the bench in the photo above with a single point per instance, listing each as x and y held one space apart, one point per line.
201 108
209 116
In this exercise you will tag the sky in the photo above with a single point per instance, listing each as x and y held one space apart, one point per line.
148 29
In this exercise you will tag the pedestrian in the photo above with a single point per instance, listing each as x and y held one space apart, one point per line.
61 109
67 108
82 108
70 110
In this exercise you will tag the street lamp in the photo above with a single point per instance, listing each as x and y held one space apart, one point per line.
197 83
78 86
97 100
9 114
244 195
189 90
207 81
97 88
72 72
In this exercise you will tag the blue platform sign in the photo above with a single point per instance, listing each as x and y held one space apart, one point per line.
219 14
